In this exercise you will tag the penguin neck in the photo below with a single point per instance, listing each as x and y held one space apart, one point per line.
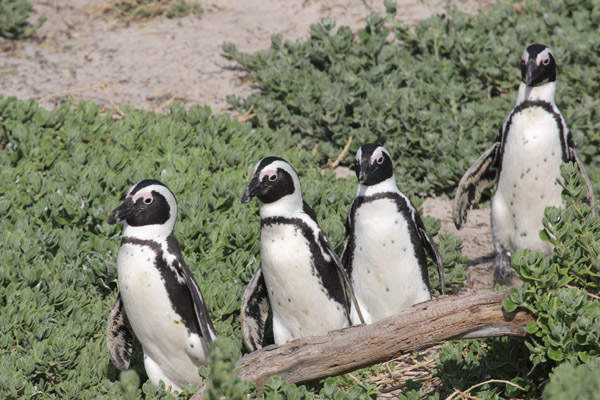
157 232
287 205
544 92
389 185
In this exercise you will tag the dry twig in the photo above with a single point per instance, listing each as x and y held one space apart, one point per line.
341 156
593 296
164 105
248 115
465 395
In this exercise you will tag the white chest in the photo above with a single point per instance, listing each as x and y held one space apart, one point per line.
300 303
142 288
532 151
386 274
527 184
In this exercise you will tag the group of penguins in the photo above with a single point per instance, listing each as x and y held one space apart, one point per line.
310 290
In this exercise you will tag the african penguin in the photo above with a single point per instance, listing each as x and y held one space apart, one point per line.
525 158
386 241
299 276
159 301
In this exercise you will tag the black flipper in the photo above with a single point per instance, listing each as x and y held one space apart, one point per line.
575 158
342 273
254 312
119 336
206 327
483 171
432 250
338 264
343 249
344 246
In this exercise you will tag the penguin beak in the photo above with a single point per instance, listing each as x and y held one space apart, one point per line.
122 212
531 72
363 172
251 190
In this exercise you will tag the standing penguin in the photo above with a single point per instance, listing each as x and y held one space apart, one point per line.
299 276
525 158
384 249
159 301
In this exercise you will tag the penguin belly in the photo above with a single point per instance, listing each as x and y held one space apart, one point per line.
527 184
171 353
300 303
386 274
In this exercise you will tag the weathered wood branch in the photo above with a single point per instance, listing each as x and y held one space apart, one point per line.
422 326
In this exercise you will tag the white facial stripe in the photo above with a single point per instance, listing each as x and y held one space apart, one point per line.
144 195
525 56
130 190
255 168
379 152
359 155
544 55
275 165
268 172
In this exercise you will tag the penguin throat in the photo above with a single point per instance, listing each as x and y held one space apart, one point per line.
544 92
149 232
287 205
389 185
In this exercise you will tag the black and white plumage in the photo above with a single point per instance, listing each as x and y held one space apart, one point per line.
525 158
159 301
384 252
299 276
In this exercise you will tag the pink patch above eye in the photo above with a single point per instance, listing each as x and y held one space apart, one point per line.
525 57
142 195
268 173
375 157
542 58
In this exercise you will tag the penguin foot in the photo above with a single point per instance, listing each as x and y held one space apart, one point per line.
504 272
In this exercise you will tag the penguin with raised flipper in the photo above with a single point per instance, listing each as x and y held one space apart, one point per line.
384 252
525 159
159 302
300 277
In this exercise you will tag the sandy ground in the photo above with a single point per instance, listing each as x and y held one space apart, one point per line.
87 55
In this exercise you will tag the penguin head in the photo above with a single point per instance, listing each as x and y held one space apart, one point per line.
273 181
538 65
373 164
148 202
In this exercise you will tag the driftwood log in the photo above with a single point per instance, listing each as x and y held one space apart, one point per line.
422 326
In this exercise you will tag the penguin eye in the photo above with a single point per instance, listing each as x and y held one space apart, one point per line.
148 200
273 177
380 160
546 61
